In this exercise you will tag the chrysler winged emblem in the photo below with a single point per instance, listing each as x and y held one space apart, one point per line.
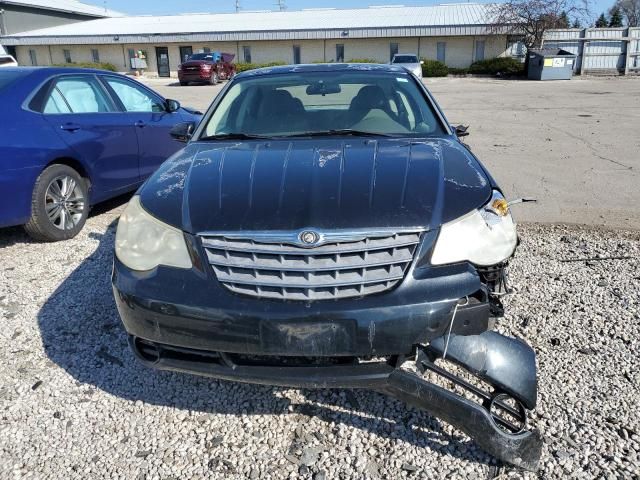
309 237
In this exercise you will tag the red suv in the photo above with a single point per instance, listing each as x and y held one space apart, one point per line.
207 67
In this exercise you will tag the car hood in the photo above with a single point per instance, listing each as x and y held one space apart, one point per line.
322 183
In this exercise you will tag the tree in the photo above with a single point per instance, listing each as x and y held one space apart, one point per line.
530 18
601 22
615 17
630 10
576 23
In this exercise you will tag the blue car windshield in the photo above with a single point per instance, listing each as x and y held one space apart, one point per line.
293 104
7 78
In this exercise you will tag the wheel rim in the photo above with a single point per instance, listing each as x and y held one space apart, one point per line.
64 202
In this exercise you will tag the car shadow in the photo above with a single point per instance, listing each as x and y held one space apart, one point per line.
82 333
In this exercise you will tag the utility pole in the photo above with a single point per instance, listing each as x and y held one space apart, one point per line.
237 6
281 5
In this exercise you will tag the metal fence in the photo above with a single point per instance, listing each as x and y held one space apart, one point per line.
599 50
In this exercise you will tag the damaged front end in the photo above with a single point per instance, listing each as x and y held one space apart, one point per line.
494 416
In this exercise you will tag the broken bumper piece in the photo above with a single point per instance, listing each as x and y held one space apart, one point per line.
507 364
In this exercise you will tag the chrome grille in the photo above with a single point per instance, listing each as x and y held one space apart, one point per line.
343 264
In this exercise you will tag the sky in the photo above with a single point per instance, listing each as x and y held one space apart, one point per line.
159 7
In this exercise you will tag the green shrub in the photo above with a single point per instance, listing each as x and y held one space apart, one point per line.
243 67
498 66
458 71
434 68
362 60
99 66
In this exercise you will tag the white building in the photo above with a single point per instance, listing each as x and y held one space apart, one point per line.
457 34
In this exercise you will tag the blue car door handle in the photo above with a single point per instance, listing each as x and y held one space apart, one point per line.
140 124
70 127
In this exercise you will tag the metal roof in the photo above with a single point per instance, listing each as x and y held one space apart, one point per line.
68 6
447 19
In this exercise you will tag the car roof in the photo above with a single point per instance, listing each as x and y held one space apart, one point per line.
57 70
324 67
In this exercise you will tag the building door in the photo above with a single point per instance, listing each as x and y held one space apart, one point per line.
393 50
479 50
296 55
340 52
185 53
442 52
162 58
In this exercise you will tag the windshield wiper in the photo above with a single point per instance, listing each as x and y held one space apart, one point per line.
337 132
233 136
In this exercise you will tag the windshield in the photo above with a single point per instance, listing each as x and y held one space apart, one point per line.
7 78
405 59
314 102
201 56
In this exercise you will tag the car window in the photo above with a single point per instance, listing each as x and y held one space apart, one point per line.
134 98
56 103
304 102
81 95
405 59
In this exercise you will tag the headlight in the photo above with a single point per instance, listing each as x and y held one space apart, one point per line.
484 237
143 242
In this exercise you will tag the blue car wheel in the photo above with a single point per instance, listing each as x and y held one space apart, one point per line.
59 205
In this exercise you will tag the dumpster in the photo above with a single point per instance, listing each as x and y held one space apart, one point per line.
551 64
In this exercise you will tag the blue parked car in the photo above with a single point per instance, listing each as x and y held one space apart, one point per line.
71 138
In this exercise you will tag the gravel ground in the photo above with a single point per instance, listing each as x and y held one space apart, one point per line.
75 404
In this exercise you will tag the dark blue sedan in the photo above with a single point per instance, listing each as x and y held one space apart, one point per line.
71 138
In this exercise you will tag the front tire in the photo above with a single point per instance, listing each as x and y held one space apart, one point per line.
184 84
59 205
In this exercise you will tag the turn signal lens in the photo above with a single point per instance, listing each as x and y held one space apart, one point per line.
500 207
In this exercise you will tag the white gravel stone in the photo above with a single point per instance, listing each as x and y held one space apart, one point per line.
75 404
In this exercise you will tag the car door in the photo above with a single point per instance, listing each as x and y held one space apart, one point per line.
147 111
80 109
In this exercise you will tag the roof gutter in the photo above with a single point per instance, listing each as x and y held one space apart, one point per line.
320 34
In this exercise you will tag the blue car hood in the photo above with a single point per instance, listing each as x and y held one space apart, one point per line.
331 183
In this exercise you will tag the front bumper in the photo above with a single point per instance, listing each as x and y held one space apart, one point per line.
194 76
510 366
184 320
191 309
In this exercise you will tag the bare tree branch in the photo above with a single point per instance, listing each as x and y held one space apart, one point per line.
530 18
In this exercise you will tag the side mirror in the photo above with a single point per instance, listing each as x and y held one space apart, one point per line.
182 131
172 105
461 130
421 62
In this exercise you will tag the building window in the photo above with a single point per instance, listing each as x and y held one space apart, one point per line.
442 52
479 50
206 50
515 46
393 50
137 59
95 55
32 56
340 52
67 55
185 53
296 55
246 54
